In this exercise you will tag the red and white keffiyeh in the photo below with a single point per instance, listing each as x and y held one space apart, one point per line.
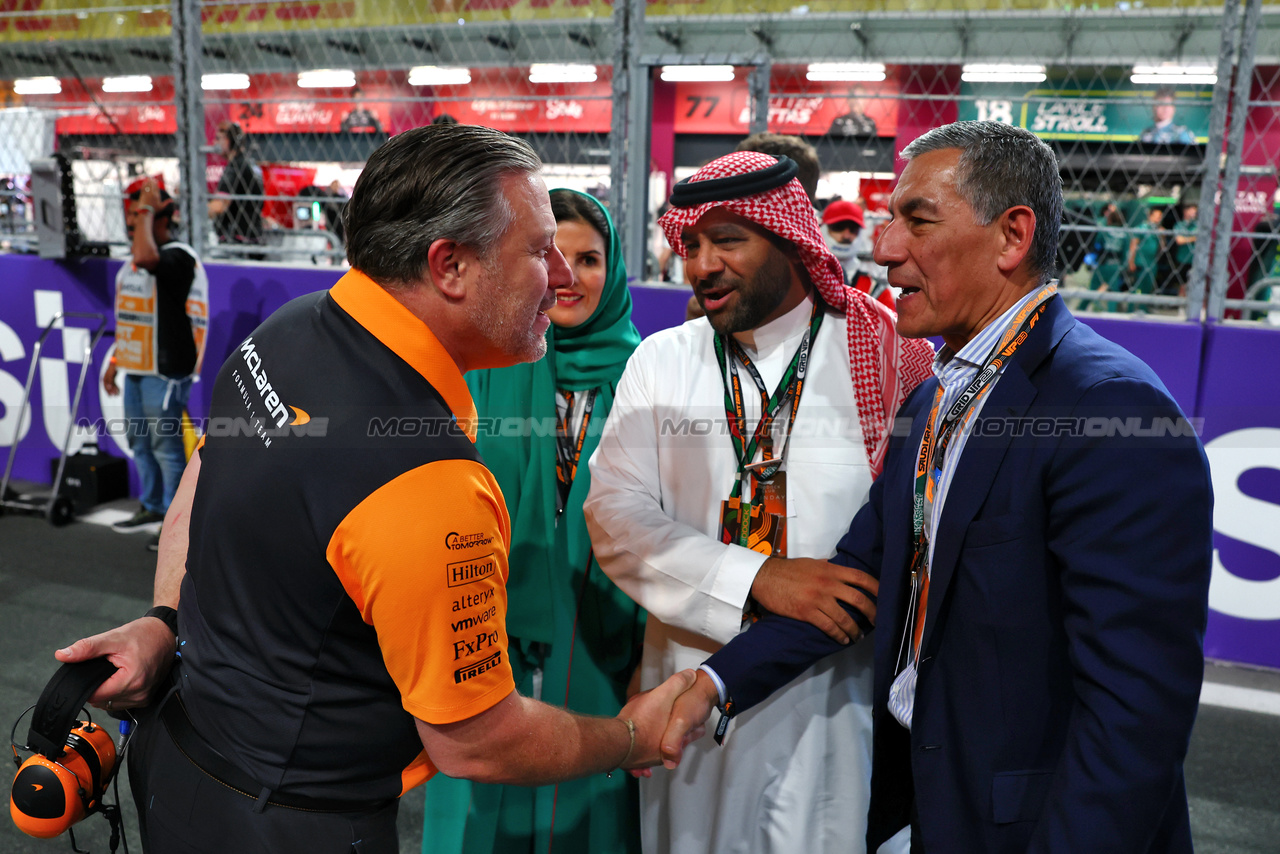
886 367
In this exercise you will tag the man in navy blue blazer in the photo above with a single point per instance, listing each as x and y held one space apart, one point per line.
1042 536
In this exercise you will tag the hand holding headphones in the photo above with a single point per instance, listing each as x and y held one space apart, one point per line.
142 651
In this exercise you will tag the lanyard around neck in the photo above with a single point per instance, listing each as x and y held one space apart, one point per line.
933 450
728 353
569 450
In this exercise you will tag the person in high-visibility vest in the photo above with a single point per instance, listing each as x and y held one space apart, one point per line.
162 313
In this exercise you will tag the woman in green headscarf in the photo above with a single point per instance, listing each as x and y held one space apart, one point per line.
575 638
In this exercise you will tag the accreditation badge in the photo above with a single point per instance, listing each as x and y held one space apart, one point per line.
760 525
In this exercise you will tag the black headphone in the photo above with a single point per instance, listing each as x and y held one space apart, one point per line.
73 760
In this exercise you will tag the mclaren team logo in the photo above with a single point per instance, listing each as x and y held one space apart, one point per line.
280 412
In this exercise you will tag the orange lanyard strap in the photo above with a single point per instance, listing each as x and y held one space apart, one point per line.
569 450
789 389
933 452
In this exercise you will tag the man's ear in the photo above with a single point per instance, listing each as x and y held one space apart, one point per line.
451 266
1017 229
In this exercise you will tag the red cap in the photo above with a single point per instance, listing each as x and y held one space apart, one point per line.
136 186
843 211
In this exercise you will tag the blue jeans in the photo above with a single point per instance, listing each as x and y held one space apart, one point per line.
153 409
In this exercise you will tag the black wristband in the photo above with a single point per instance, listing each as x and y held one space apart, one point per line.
166 615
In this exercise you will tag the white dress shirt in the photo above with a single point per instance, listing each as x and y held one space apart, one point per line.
794 772
954 370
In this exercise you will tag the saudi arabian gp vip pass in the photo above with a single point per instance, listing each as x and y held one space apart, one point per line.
755 514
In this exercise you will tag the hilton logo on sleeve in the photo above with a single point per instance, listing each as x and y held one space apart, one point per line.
470 571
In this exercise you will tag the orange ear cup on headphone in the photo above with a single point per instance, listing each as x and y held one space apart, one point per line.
50 796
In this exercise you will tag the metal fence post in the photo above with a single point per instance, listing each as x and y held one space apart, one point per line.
640 96
1235 150
758 84
189 106
1209 182
618 119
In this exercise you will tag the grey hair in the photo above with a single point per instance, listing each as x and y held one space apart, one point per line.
436 182
1001 167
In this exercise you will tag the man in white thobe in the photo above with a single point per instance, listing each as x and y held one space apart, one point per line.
663 511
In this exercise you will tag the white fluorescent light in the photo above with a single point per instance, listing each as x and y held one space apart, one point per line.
327 78
1173 75
845 71
1171 80
37 86
135 83
980 72
541 72
697 73
434 75
224 81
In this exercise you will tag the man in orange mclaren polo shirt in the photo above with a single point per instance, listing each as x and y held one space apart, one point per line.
341 608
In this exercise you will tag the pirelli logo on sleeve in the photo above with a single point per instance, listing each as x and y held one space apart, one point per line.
472 670
471 570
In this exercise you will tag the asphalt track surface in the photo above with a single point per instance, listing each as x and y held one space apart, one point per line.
60 584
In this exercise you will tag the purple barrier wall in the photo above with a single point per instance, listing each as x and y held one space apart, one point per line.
1228 375
1240 403
32 292
1172 349
655 308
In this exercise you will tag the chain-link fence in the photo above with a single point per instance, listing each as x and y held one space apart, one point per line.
287 100
1251 289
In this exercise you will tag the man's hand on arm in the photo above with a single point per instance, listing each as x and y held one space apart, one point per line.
523 742
143 649
812 590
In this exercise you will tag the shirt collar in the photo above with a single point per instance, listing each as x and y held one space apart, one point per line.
370 305
971 357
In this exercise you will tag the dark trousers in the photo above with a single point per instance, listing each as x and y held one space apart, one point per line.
181 810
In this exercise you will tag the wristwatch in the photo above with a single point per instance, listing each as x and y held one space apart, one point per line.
166 615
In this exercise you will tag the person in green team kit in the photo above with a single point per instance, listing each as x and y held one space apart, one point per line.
1184 239
1144 254
1110 246
575 637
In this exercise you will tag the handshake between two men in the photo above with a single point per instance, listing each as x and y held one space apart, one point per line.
798 595
496 744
